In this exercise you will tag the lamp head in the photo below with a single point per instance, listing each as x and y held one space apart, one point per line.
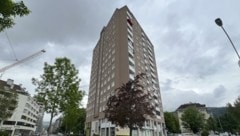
218 21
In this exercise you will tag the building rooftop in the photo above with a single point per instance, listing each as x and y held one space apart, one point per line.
197 105
13 87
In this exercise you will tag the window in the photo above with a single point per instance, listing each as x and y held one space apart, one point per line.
130 22
104 98
113 51
113 59
113 75
158 113
25 111
9 122
113 67
112 84
148 123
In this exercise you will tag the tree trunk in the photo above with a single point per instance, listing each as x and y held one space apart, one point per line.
130 131
66 129
50 124
1 123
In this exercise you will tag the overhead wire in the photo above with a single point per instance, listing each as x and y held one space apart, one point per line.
10 44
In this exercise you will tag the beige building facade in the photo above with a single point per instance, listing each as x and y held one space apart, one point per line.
122 52
180 110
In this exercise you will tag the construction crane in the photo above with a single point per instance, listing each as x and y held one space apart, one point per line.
2 70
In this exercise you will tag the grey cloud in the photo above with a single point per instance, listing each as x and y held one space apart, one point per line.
167 85
73 27
61 21
189 32
175 97
219 91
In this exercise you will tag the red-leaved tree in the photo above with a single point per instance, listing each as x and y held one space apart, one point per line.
130 105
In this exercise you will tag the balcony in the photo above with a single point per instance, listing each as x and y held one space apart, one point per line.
130 44
151 64
130 38
150 58
131 76
153 75
129 15
131 61
129 27
152 69
157 108
131 69
150 53
130 51
130 32
149 48
154 81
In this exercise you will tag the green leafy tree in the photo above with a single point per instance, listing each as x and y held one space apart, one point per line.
211 124
80 126
10 9
58 87
230 121
72 112
204 132
8 103
193 119
234 110
74 121
172 123
129 105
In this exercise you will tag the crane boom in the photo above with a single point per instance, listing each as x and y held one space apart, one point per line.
21 61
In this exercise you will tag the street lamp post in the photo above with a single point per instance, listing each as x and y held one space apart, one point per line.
218 21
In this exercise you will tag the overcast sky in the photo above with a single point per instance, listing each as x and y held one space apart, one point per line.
195 60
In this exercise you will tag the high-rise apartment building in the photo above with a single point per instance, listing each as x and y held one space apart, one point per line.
122 52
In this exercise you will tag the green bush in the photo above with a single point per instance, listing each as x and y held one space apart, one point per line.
3 133
204 133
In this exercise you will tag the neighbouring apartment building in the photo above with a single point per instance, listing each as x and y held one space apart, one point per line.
180 110
27 117
122 52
